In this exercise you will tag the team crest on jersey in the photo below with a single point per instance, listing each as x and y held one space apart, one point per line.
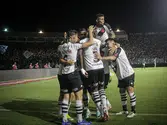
69 51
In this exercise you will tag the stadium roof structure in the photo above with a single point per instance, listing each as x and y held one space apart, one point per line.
121 34
31 37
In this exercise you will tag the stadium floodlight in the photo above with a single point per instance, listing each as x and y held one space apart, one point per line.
40 32
118 30
5 30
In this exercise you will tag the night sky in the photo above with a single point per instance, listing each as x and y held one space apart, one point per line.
129 15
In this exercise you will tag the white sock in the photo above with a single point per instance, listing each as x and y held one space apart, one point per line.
79 110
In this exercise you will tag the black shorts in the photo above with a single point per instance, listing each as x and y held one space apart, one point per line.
126 82
106 79
82 77
59 79
95 77
71 82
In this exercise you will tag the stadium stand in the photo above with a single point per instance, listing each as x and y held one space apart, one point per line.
139 47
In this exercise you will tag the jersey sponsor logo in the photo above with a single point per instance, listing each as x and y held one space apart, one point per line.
131 83
95 50
69 51
64 90
95 84
75 89
101 83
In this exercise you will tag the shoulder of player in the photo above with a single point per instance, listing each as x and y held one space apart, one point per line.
96 40
108 25
59 47
83 40
119 49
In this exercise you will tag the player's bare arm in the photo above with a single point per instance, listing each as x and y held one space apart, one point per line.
68 62
112 34
109 58
82 65
81 58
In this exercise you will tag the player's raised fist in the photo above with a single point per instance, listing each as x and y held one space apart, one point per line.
91 28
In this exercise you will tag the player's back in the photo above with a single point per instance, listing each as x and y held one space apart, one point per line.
91 63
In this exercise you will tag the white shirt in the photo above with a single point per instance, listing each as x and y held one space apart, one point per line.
91 63
123 67
102 36
69 52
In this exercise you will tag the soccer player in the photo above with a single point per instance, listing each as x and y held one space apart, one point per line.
71 80
125 75
155 62
62 62
104 31
144 63
95 80
84 75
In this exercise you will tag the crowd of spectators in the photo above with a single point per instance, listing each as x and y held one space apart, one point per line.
147 47
139 47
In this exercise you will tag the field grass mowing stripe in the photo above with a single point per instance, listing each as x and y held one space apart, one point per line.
52 112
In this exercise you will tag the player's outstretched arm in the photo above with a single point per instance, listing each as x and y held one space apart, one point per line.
82 65
112 34
109 58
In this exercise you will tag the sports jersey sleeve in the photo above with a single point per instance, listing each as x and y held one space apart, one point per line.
117 52
78 46
109 27
97 41
83 40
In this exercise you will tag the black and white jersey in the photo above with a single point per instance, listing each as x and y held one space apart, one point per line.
102 33
69 52
123 67
90 61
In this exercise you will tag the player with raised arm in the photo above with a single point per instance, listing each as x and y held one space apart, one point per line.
104 31
71 78
125 75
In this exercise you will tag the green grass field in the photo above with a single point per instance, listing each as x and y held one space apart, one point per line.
36 103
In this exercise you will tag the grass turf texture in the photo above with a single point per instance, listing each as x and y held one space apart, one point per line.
36 103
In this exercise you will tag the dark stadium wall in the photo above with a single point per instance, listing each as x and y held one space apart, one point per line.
7 75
